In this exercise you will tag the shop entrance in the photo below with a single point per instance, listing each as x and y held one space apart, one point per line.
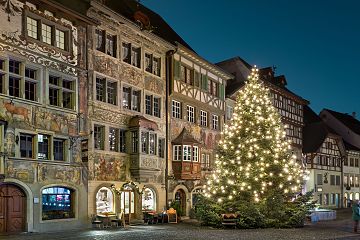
12 209
128 204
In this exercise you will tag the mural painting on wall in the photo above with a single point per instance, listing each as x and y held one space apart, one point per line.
23 171
59 173
154 85
59 123
131 75
9 143
107 66
109 116
14 112
110 168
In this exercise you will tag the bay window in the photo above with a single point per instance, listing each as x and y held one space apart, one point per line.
185 153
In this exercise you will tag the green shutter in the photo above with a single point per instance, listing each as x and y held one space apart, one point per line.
204 82
222 92
176 69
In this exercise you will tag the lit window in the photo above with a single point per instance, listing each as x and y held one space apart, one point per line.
186 152
32 27
104 201
148 200
43 146
46 33
113 139
60 39
57 203
131 99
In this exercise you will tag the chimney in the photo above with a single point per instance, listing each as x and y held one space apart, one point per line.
353 114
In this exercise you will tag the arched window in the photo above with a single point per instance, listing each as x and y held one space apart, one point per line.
57 203
148 200
104 201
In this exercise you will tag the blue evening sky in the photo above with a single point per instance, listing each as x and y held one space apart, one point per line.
314 43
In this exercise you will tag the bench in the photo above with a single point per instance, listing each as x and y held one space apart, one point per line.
229 219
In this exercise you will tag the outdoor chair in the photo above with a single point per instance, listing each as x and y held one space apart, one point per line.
95 221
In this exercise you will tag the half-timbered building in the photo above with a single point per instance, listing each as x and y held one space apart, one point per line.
42 78
289 104
324 152
196 113
348 127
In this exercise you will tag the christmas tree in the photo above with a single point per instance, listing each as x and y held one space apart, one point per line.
254 159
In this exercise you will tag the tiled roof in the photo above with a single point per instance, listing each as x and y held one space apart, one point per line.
185 138
127 8
349 146
347 119
315 131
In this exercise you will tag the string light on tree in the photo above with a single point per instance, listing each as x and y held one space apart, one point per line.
253 157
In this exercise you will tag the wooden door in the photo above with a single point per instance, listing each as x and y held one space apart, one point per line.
180 197
12 209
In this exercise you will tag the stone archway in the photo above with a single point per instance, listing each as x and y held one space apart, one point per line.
12 208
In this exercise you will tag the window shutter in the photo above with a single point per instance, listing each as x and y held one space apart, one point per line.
204 84
176 69
222 92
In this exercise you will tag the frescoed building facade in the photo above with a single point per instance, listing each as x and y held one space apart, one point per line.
126 111
42 76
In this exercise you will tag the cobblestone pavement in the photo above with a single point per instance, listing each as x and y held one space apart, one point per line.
339 229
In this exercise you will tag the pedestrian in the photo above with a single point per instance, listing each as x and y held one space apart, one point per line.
356 214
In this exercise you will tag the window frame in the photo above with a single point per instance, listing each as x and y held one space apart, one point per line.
176 107
61 90
131 98
203 118
68 41
105 84
130 57
190 110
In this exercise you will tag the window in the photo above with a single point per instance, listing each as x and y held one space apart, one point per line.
30 84
105 44
346 181
215 121
337 180
356 162
60 39
113 139
152 105
48 32
319 179
131 99
161 149
99 137
131 54
195 154
14 78
152 143
61 92
148 104
346 162
43 146
148 200
135 140
122 141
187 75
205 160
190 113
351 162
177 152
176 109
186 153
332 179
229 112
59 147
203 118
106 91
32 27
105 201
152 64
57 203
144 142
26 145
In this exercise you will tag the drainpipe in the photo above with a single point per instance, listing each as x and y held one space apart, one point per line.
169 74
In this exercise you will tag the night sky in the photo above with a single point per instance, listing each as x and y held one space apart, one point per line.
314 43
